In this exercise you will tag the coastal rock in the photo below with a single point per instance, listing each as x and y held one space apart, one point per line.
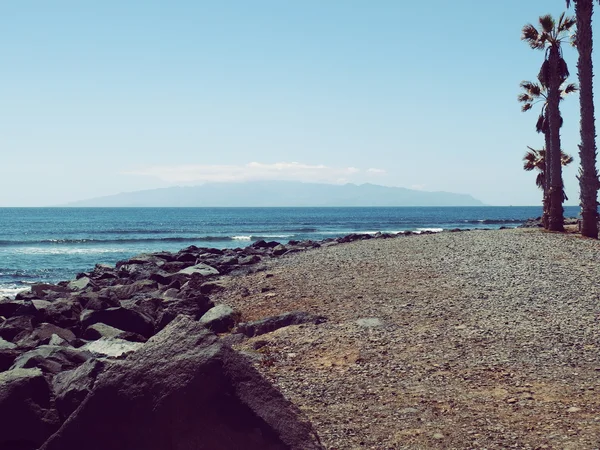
247 260
111 347
279 249
26 408
201 269
9 307
270 324
48 291
219 319
219 400
122 318
122 292
43 333
62 312
101 330
51 358
7 357
72 386
80 284
188 303
16 327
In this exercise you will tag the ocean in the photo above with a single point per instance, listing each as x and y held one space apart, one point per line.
53 244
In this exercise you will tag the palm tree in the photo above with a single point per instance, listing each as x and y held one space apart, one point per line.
553 73
536 159
532 94
588 174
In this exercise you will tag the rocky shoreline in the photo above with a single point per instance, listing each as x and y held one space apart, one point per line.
59 343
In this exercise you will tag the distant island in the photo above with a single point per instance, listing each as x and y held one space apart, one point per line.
279 194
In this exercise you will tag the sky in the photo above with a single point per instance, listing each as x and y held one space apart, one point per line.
98 98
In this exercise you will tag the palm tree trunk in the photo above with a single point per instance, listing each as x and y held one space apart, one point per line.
556 219
546 201
588 174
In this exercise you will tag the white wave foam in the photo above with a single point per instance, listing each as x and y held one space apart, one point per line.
433 230
241 238
66 251
10 291
273 236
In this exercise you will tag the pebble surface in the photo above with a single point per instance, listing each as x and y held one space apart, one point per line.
479 339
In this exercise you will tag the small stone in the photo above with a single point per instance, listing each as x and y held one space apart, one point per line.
573 409
369 322
512 400
438 436
461 327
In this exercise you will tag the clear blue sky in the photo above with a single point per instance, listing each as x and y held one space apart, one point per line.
103 97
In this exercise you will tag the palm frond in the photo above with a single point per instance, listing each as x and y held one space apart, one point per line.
570 88
531 35
526 107
565 159
533 89
567 24
541 123
524 98
540 180
563 70
547 22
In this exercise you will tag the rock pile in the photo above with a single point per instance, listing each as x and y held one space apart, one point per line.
63 346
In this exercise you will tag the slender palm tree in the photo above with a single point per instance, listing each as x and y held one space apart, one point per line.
553 73
536 159
588 174
532 94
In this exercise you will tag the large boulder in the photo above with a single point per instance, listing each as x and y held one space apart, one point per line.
220 318
16 327
184 390
122 318
72 386
101 330
43 333
27 412
63 312
52 358
202 269
273 323
111 347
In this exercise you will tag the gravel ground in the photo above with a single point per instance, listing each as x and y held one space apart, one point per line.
483 339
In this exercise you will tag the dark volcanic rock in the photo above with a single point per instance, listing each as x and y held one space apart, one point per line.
16 327
27 414
51 358
10 307
188 303
220 318
43 333
61 312
72 386
48 291
184 390
101 330
122 318
270 324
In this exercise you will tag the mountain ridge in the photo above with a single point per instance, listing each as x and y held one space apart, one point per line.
279 194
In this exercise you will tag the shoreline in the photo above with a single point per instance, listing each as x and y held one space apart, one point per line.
475 339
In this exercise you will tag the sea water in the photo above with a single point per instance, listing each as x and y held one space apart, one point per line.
53 244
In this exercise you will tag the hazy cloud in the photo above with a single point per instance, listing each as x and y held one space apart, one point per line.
417 187
253 171
373 171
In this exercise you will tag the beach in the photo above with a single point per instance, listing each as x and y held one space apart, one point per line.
478 339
